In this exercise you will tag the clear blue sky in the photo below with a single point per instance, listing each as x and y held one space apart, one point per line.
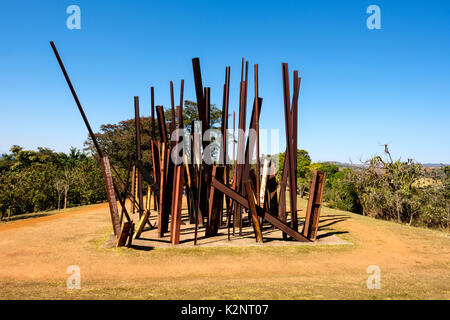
360 87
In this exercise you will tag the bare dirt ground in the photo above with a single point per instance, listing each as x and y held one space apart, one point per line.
35 254
271 236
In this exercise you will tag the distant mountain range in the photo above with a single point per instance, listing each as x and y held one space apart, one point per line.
355 165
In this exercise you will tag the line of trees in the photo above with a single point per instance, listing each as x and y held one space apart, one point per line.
32 181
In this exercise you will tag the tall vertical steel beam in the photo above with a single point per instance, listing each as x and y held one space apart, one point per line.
138 154
258 176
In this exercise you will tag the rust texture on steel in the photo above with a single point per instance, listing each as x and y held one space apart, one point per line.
125 233
177 193
311 225
253 211
111 195
215 203
138 155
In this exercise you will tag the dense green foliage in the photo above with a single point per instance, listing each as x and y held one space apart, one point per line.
41 180
401 191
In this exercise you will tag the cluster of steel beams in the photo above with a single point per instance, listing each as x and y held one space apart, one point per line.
226 195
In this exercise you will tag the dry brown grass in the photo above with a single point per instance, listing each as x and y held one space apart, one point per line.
34 256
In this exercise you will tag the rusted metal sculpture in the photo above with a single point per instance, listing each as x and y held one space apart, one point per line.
210 194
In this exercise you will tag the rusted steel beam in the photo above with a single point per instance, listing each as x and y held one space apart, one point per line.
77 101
138 154
224 123
288 130
178 183
203 106
105 162
291 154
119 193
266 216
311 226
180 115
192 190
125 190
258 165
154 147
110 194
215 204
152 102
295 110
176 206
162 124
197 174
207 96
250 145
141 224
253 211
168 198
265 175
240 147
249 150
172 108
293 142
133 191
224 149
162 193
272 186
230 202
124 234
234 139
199 92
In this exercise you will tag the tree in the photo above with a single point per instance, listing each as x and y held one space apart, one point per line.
59 186
37 180
302 169
190 113
118 141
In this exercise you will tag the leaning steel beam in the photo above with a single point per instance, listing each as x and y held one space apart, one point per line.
311 225
199 89
110 194
105 162
266 216
77 101
253 211
162 124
